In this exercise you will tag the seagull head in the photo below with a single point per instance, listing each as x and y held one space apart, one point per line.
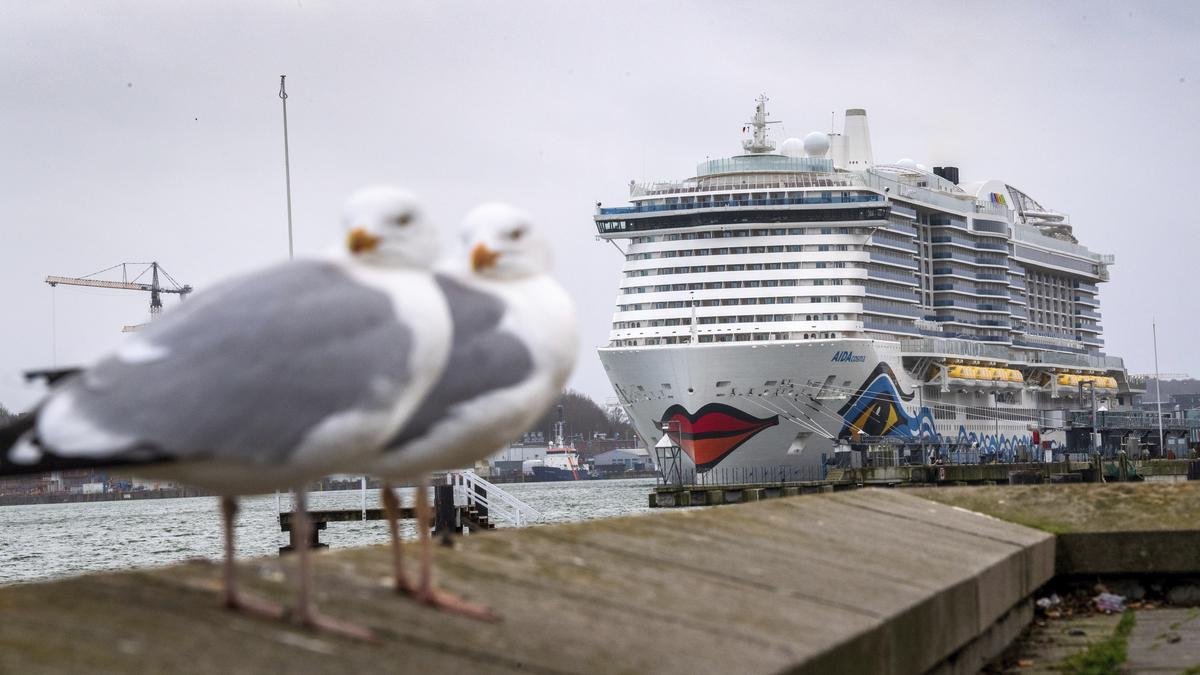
387 226
504 244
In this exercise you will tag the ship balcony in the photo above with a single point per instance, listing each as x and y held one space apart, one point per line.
965 289
956 240
1087 300
899 294
1083 311
906 245
948 221
888 275
973 306
890 327
896 260
981 337
991 227
875 307
900 228
985 323
973 260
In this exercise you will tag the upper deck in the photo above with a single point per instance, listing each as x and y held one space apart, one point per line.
830 245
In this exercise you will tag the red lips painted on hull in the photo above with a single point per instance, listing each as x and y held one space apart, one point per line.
712 432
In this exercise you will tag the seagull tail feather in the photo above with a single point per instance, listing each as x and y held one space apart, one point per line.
10 435
21 454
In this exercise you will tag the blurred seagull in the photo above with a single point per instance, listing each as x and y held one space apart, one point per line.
264 382
514 345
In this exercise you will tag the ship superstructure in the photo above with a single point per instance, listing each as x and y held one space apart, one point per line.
778 302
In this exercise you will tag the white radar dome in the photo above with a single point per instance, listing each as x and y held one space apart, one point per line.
792 147
907 163
816 144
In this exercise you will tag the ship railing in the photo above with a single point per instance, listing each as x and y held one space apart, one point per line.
471 490
741 183
729 203
748 475
964 203
950 347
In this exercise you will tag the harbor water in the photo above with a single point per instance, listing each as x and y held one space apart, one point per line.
47 541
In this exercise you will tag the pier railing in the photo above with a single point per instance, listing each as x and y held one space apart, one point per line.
472 491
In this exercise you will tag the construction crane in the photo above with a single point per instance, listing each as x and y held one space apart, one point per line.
154 288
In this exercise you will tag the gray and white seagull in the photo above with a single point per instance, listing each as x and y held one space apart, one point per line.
514 345
267 381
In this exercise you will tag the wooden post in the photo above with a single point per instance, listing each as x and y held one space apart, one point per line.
444 515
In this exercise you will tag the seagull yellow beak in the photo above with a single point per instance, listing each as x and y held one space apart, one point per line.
483 257
359 240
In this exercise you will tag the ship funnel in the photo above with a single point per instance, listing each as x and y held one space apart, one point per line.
856 141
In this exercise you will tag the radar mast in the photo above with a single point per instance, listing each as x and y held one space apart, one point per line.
760 143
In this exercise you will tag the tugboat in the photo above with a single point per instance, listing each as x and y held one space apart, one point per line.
561 462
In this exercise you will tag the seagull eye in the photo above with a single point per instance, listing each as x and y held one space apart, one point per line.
402 219
517 233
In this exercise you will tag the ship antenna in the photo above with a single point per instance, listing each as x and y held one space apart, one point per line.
760 143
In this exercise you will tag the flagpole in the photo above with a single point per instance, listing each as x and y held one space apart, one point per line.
287 166
287 180
1162 450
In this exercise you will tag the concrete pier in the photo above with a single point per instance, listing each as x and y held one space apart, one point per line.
870 581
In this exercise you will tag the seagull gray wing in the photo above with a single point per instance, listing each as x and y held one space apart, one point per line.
483 358
247 371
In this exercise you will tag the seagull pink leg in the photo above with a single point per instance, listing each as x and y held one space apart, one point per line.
426 593
391 509
306 614
230 596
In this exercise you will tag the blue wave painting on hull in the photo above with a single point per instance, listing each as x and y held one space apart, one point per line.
877 409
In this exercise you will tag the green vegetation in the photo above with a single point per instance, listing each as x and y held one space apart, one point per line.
1105 656
1082 507
584 420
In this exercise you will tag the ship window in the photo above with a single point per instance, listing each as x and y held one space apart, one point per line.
770 383
722 383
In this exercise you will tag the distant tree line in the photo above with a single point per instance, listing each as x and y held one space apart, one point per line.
584 419
6 415
1188 386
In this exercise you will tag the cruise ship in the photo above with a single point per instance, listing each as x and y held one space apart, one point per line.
781 305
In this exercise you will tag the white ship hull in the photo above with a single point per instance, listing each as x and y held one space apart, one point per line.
734 406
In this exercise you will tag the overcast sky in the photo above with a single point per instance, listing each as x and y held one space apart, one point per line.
151 131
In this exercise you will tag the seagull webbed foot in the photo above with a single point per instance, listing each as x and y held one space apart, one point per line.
255 606
323 623
448 602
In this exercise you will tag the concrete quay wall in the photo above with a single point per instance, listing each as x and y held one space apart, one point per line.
871 581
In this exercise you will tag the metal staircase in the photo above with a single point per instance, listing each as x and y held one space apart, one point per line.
486 503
